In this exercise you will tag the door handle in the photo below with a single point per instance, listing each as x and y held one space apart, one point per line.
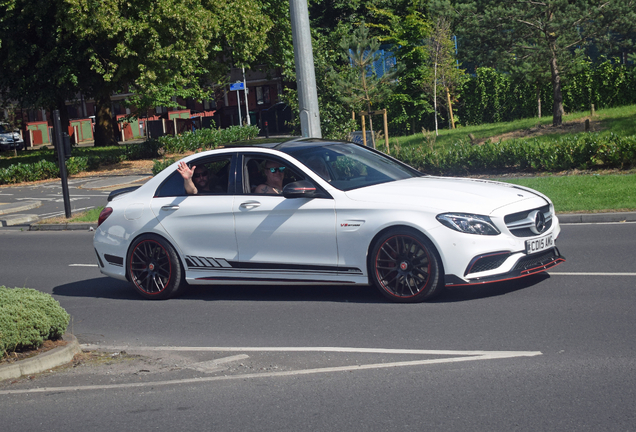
250 204
170 207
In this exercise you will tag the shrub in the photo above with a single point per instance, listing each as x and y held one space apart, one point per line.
28 317
583 151
160 165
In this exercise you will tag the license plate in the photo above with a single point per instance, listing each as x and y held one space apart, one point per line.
540 244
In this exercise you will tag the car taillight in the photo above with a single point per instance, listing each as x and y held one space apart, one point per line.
104 215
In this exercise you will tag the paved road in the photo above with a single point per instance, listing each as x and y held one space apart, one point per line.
45 199
571 363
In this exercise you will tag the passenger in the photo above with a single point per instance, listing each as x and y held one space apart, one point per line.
196 179
317 164
274 174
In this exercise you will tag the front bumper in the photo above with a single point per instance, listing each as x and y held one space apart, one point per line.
525 265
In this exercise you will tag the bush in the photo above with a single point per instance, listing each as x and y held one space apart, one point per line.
28 317
87 159
160 165
583 151
206 139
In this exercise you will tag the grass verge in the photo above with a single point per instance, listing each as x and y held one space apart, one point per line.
618 120
88 216
585 193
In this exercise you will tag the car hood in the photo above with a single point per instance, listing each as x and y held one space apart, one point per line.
446 194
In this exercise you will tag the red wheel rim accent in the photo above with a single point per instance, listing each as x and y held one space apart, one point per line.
150 267
403 266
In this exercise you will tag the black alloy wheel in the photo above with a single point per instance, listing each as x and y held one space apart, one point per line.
154 268
405 266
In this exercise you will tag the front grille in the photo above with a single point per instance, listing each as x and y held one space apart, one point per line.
520 224
537 260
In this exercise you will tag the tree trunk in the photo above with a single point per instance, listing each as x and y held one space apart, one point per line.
450 109
104 131
435 96
557 108
371 125
539 100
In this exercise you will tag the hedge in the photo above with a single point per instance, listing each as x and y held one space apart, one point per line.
84 159
491 96
583 151
28 317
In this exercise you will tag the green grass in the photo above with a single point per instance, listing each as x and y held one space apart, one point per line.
621 121
586 193
89 216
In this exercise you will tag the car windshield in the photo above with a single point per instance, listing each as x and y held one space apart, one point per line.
3 130
349 166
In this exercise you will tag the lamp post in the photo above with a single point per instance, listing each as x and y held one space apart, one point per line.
305 74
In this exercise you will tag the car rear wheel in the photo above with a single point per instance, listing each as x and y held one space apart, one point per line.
405 266
154 268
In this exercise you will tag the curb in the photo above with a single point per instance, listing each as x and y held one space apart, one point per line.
18 207
597 217
64 227
40 363
18 219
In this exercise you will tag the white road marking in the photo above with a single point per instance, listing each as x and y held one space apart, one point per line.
596 223
82 265
61 213
467 356
309 349
589 274
217 364
6 194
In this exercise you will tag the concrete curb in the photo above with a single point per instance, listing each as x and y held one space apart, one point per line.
40 363
64 227
597 217
18 219
18 207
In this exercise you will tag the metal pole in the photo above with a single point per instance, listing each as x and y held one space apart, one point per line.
238 102
247 107
305 74
57 125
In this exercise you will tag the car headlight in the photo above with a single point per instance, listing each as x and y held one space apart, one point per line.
4 140
468 223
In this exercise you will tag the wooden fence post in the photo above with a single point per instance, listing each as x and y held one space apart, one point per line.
364 131
386 131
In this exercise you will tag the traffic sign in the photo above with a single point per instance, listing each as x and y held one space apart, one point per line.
237 86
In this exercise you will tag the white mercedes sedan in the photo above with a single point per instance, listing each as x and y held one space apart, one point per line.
310 211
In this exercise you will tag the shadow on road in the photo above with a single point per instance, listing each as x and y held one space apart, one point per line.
474 292
109 288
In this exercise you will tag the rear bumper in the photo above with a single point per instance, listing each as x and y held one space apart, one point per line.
525 266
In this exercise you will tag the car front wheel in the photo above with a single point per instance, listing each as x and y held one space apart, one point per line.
405 266
154 268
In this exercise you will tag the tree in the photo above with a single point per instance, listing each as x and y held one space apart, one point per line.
406 33
550 31
158 50
154 49
364 88
40 66
444 76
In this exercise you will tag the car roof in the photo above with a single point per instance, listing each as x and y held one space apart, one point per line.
285 144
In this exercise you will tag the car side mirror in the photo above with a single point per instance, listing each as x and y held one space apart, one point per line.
301 189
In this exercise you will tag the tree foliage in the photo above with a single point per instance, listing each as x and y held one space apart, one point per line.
154 49
551 32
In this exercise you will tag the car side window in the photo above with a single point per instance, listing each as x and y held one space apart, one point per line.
211 177
254 174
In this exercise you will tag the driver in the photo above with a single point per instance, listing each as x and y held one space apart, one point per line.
274 174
